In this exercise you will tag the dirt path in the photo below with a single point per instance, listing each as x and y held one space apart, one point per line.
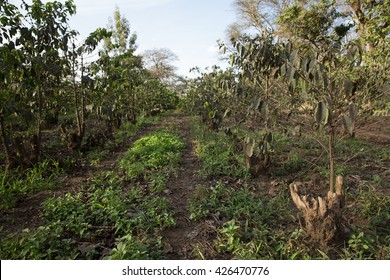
178 239
377 130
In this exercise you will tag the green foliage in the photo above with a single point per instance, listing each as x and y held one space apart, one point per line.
101 209
374 207
96 156
70 211
45 242
130 248
129 129
42 176
228 239
294 163
360 247
157 151
216 152
156 97
208 95
121 39
313 24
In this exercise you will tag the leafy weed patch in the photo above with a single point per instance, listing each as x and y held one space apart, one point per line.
216 153
107 219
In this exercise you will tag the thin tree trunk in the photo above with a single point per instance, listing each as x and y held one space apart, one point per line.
331 161
4 140
82 127
37 150
76 99
134 117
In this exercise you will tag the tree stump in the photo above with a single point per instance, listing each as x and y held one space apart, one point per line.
323 216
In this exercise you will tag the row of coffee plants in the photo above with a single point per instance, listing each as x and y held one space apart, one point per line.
277 89
48 82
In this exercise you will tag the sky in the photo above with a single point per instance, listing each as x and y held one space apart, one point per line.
189 28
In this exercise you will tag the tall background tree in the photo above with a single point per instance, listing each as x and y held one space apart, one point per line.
122 39
314 21
160 63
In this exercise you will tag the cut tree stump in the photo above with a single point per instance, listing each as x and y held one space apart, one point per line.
323 216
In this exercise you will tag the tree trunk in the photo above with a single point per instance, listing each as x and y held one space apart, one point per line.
133 113
4 140
38 138
76 100
331 161
82 126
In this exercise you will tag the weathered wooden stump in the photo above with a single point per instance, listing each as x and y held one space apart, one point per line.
323 216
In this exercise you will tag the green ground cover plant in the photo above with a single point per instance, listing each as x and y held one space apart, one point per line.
215 150
14 184
109 217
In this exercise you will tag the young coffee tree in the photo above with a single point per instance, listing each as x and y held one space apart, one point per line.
327 88
37 42
81 82
258 60
10 61
206 97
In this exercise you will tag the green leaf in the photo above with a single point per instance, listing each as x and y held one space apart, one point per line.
326 82
349 125
348 87
304 64
227 113
290 74
322 113
288 47
266 148
249 150
242 52
312 66
212 114
89 108
263 108
283 70
232 60
352 111
293 57
249 146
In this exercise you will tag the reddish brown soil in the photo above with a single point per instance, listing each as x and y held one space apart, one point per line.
178 239
376 130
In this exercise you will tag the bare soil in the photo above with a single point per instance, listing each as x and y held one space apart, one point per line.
376 130
178 239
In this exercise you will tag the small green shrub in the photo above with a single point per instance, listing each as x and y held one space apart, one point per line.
360 247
